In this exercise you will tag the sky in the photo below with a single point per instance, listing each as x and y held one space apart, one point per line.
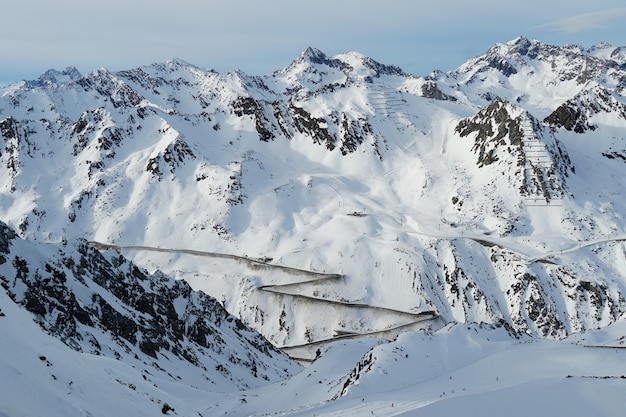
259 37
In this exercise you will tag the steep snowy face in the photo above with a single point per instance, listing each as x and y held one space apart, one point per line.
341 196
538 76
512 141
314 72
53 77
102 304
310 71
92 333
578 113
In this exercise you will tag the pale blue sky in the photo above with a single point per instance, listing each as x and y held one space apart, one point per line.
259 37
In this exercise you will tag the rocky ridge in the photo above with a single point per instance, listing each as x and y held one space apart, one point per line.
101 304
426 187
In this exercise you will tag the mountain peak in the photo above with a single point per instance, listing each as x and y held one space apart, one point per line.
523 46
311 57
330 205
516 47
174 64
55 77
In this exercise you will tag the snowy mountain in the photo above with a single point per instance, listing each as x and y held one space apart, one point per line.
335 199
132 332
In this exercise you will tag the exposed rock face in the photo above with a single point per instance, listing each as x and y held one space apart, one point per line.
272 167
578 113
174 155
511 57
494 128
88 300
431 90
53 77
505 134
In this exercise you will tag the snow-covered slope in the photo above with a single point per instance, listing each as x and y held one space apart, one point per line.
439 195
537 76
339 197
87 330
469 370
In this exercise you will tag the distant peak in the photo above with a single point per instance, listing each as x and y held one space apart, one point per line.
520 40
313 51
523 40
601 45
313 56
177 63
172 65
53 76
519 45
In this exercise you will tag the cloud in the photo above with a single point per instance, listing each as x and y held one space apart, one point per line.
585 22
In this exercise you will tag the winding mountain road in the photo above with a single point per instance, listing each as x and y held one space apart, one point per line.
410 319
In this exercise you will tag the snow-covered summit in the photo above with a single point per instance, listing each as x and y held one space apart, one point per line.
315 71
539 75
55 77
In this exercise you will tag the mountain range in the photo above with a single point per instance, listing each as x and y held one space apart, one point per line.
170 223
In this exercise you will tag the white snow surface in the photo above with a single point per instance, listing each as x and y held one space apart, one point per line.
461 236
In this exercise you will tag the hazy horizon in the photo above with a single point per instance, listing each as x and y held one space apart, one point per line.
259 38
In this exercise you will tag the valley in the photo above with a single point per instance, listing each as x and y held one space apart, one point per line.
337 237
